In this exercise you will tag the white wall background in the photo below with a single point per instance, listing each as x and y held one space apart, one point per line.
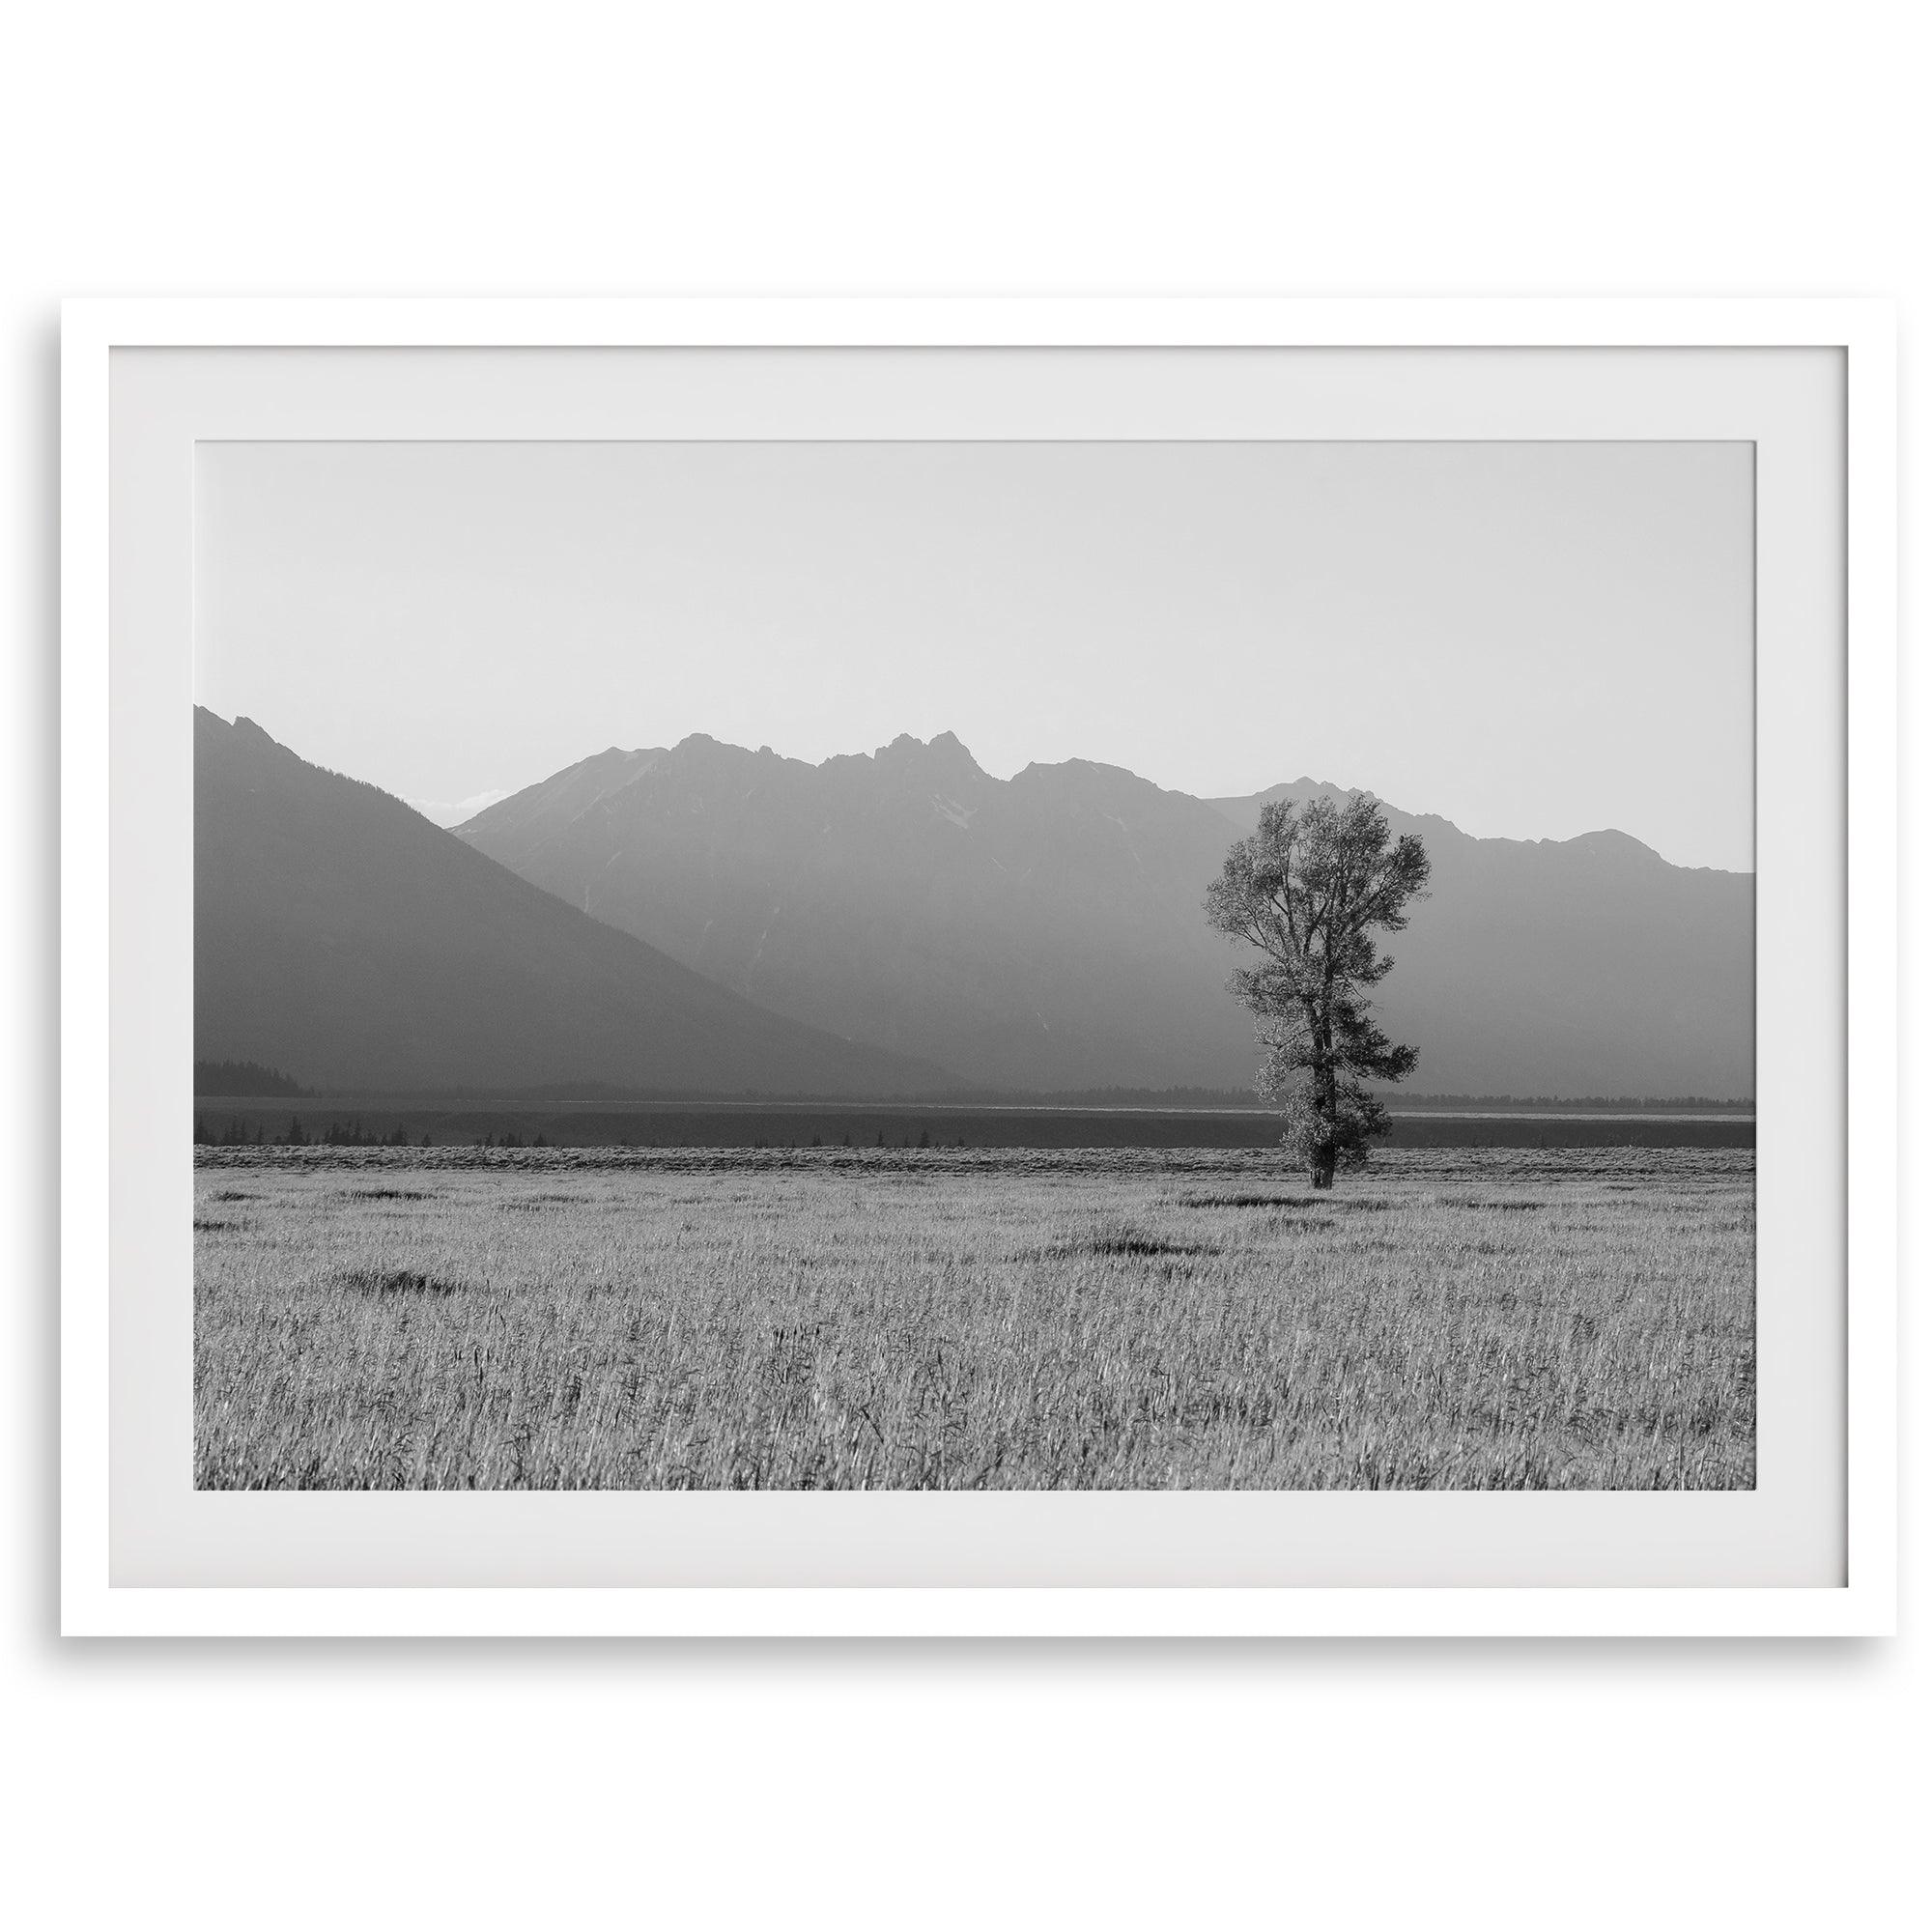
1401 149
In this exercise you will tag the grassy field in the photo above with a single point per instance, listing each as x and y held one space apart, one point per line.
1117 1318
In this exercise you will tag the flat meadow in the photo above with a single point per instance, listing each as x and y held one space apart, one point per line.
971 1317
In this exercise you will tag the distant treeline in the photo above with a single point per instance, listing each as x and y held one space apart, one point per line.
247 1079
1245 1096
274 1124
1651 1104
239 1132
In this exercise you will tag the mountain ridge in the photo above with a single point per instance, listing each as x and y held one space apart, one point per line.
1227 804
1044 931
345 938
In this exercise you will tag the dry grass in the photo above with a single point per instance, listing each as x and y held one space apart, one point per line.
1119 1319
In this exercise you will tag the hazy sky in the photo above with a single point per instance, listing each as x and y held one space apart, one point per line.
1533 639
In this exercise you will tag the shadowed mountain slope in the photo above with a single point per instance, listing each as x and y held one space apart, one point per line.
1047 932
341 936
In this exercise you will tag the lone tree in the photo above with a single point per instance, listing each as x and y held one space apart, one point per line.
1310 888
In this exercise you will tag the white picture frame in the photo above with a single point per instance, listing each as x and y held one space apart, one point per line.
103 1593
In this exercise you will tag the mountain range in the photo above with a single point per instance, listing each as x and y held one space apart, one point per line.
344 940
1045 932
702 918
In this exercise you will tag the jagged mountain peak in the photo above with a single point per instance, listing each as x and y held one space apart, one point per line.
1046 930
943 755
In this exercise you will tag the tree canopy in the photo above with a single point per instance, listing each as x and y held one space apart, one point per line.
1311 888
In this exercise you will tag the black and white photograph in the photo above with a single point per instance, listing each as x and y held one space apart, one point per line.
961 966
974 965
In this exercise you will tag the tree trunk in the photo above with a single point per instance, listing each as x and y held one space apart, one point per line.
1322 1171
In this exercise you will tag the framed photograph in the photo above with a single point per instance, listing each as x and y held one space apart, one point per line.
979 967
